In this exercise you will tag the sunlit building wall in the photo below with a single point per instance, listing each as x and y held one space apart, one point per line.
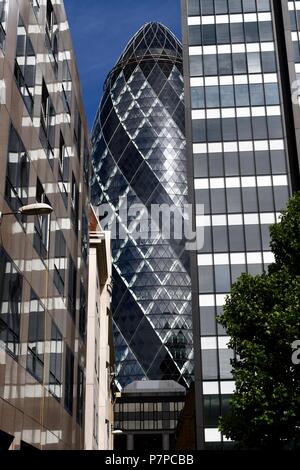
44 151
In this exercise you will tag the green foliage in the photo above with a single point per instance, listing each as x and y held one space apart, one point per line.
262 318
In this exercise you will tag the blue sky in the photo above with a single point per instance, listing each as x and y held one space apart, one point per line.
101 29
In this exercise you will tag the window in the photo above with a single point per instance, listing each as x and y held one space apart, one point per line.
84 236
36 338
63 169
25 67
80 396
52 35
36 7
66 87
47 129
77 132
69 379
41 224
3 6
10 304
56 352
60 262
72 288
75 203
82 311
86 164
17 175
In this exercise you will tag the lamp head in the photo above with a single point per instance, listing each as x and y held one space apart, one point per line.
38 208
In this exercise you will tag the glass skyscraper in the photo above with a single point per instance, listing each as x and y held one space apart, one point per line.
139 155
241 60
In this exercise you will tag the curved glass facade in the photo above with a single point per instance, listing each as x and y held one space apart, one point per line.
139 154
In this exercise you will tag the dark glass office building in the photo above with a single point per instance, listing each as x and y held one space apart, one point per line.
241 60
139 155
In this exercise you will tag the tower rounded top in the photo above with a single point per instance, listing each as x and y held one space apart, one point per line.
152 39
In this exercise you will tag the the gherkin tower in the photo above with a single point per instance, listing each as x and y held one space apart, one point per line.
139 153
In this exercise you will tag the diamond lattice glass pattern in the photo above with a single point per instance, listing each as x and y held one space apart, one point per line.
139 152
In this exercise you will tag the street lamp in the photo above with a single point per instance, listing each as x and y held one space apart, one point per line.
38 208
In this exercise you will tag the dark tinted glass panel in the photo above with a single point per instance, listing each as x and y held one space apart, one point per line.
199 130
250 199
218 201
252 234
215 164
206 279
229 129
239 63
262 162
231 161
209 34
251 32
236 238
259 128
275 127
200 166
208 321
247 163
227 96
223 34
197 94
237 33
214 130
196 67
212 97
225 64
220 239
234 203
195 37
210 65
265 197
209 365
265 31
244 128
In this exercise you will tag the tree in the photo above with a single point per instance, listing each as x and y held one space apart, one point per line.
262 318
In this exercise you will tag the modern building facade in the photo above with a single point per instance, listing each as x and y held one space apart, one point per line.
139 158
241 60
146 415
44 150
99 395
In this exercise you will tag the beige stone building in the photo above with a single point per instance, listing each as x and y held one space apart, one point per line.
100 353
44 157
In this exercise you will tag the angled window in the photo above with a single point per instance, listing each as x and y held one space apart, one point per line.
17 174
36 7
66 87
63 169
74 203
86 164
82 312
72 288
25 67
10 304
55 377
52 35
77 132
80 396
84 237
69 380
3 14
47 128
36 338
60 262
41 224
